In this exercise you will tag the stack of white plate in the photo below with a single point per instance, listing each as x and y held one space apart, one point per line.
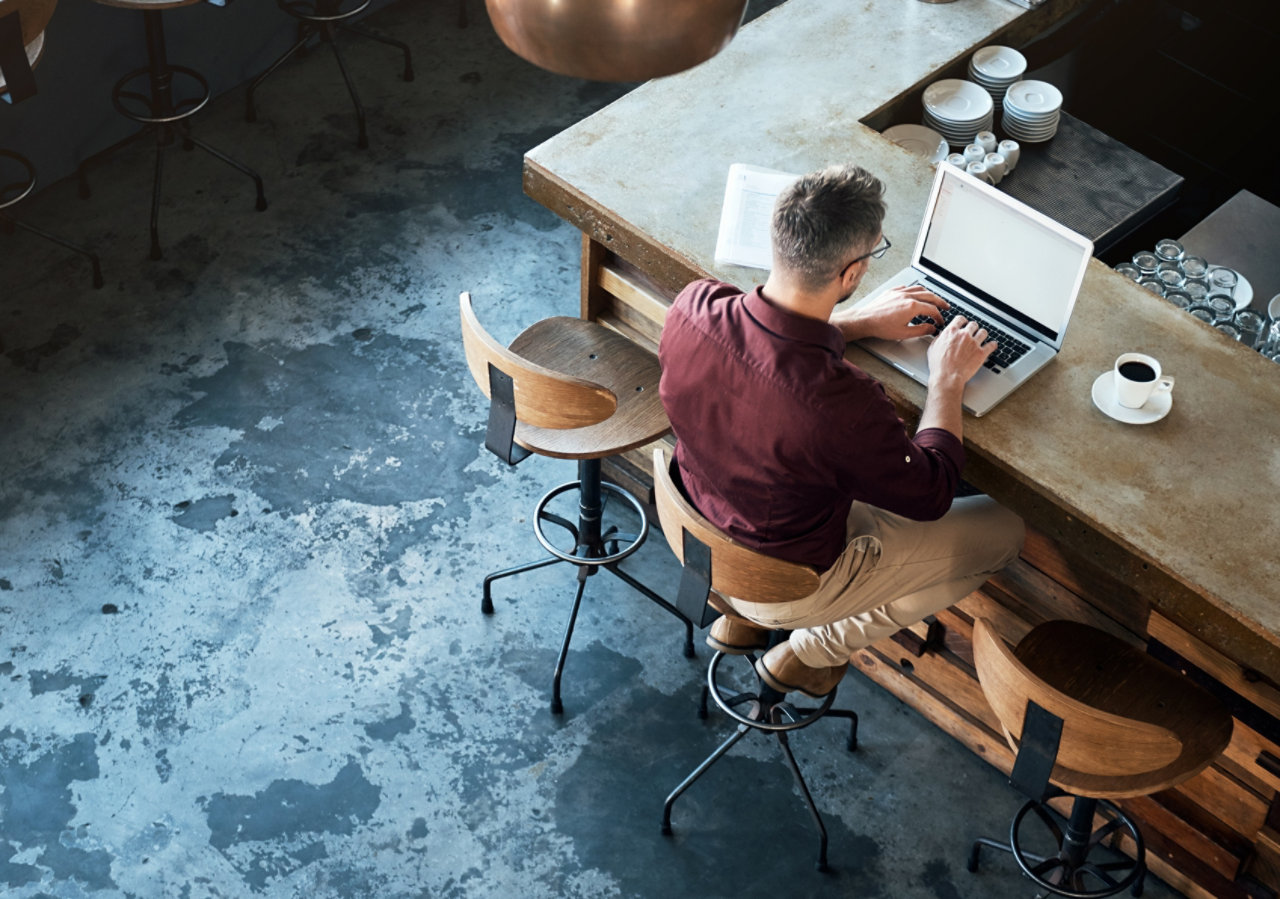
919 140
958 110
995 68
1031 111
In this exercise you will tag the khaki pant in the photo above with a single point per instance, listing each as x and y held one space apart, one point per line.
893 573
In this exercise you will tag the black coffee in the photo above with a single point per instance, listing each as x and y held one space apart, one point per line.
1137 371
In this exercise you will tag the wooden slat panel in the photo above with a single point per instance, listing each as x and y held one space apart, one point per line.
1165 828
1240 679
1227 803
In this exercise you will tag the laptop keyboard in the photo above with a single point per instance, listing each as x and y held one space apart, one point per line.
1009 349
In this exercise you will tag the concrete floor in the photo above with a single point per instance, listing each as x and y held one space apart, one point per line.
245 509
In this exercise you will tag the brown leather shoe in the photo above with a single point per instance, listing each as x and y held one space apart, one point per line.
736 636
780 669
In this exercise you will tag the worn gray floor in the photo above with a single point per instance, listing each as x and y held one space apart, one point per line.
244 514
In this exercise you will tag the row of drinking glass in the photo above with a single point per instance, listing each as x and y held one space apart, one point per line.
1206 292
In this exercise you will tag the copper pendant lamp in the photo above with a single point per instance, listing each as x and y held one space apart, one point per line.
616 40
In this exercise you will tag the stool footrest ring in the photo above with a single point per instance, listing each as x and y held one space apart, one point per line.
596 556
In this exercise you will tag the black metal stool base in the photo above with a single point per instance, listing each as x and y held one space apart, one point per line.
164 103
1071 872
594 549
323 19
13 192
768 711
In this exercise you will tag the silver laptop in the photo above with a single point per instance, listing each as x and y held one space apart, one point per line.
999 261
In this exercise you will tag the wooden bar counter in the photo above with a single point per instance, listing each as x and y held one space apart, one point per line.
1167 534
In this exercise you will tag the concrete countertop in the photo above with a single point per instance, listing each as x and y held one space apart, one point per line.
1192 497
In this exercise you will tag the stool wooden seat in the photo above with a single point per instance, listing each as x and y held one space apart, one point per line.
162 96
323 19
713 562
1097 718
570 389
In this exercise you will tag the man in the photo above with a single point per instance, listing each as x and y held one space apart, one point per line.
795 452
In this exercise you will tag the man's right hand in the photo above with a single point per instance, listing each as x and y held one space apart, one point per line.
957 353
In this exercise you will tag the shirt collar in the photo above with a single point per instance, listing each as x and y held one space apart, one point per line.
792 326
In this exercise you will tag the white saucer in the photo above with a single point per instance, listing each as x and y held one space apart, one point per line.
1104 397
1244 290
999 62
920 140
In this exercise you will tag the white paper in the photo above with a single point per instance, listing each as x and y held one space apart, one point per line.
747 213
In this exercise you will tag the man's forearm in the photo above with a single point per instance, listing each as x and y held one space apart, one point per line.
942 407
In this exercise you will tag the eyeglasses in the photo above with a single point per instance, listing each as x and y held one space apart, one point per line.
874 254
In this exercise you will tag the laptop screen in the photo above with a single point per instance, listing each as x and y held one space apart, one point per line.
988 245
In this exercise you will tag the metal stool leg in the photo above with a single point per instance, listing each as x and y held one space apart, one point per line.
251 111
390 42
362 141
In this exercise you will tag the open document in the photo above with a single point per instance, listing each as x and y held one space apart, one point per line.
747 212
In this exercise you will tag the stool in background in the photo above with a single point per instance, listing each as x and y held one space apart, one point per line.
571 389
22 40
324 18
1097 719
714 562
162 108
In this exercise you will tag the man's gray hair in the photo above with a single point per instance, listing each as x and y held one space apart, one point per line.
825 219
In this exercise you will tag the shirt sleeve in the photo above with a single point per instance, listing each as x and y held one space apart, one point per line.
886 467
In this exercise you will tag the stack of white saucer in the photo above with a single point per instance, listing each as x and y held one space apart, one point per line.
1032 110
994 68
958 110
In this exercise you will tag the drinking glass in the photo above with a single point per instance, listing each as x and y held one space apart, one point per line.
1197 289
1169 250
1250 325
1171 278
1194 266
1271 343
1223 307
1130 271
1156 286
1179 298
1223 280
1146 262
1202 312
1229 329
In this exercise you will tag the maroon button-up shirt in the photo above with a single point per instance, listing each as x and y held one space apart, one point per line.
778 435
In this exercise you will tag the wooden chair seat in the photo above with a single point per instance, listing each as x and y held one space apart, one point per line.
1131 725
581 390
736 570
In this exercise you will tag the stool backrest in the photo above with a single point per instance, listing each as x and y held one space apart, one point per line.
736 570
544 397
1093 741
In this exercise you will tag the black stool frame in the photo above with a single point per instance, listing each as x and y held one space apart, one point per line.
595 547
324 18
770 711
1070 871
11 194
166 116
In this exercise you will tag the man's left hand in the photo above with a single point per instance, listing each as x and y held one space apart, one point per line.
889 316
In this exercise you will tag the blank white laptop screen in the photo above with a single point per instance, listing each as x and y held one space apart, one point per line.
999 254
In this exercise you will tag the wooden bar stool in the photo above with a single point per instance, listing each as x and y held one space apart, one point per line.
713 562
1097 719
324 18
571 389
163 96
22 41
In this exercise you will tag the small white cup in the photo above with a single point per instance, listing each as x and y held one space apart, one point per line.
974 153
996 166
1137 377
987 141
957 160
1010 150
979 171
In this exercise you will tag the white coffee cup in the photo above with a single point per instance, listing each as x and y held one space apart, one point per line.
987 141
957 160
974 153
979 171
1010 150
996 166
1137 377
